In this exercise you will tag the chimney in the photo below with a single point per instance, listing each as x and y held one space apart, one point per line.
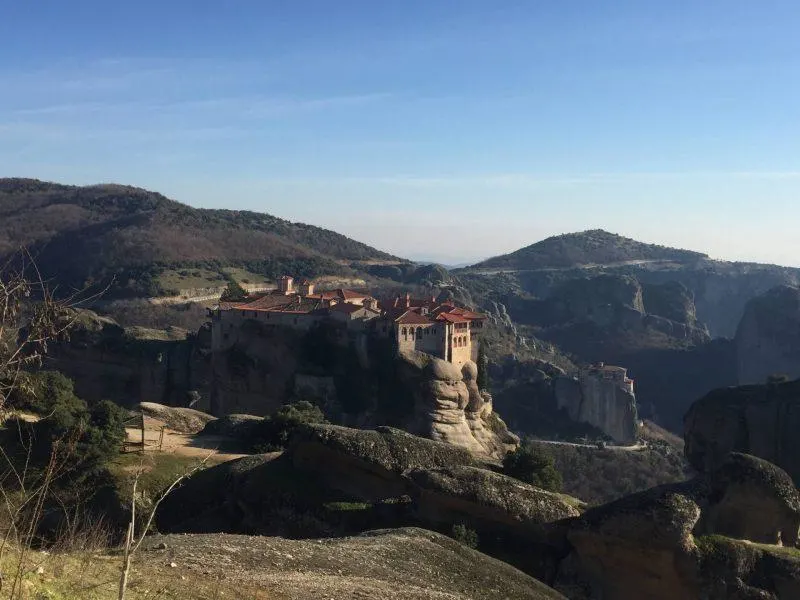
285 285
408 300
306 287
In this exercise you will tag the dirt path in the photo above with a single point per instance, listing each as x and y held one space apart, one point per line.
182 444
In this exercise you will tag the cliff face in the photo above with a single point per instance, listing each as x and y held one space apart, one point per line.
761 420
134 365
601 404
768 337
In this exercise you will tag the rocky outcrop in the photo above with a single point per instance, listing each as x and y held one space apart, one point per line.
599 298
239 427
761 420
132 365
370 465
399 564
326 463
449 407
754 500
671 300
768 337
486 501
600 403
183 420
675 541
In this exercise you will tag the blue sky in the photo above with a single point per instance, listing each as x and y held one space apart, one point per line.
450 130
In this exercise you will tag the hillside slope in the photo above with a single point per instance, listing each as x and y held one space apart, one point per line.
594 247
89 235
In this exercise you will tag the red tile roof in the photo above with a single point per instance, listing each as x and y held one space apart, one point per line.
340 294
413 318
346 307
451 318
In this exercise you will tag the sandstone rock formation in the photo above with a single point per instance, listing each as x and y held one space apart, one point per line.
671 300
370 465
768 337
761 420
754 500
132 365
183 420
679 540
602 404
449 407
326 463
485 500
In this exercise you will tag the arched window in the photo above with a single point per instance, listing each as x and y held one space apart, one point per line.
405 334
419 333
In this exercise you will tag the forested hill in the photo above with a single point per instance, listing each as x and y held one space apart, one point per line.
91 235
595 247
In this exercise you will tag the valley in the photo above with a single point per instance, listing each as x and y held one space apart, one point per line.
333 407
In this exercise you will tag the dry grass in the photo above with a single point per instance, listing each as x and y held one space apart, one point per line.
95 576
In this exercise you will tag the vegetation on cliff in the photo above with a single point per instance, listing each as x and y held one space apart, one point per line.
594 247
98 234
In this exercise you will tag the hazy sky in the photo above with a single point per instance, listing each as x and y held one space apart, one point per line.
450 129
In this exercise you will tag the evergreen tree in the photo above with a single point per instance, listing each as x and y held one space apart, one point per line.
483 369
531 465
234 292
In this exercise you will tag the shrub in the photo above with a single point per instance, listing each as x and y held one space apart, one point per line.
233 293
43 391
274 431
465 535
529 464
84 438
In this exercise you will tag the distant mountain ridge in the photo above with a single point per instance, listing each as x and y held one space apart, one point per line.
593 247
89 235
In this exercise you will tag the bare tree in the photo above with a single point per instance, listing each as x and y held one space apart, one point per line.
131 544
30 318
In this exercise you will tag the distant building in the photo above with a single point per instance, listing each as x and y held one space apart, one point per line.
603 397
443 330
617 375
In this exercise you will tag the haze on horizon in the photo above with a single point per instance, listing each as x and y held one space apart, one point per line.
450 130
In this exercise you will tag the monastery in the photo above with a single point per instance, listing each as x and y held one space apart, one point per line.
441 329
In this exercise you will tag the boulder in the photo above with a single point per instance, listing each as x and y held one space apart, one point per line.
754 500
369 464
236 426
183 420
485 500
768 336
690 540
761 420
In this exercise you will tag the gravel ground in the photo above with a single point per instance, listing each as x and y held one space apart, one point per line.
402 564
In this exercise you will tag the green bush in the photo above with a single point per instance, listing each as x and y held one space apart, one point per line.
274 431
529 464
465 535
233 293
82 439
43 391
